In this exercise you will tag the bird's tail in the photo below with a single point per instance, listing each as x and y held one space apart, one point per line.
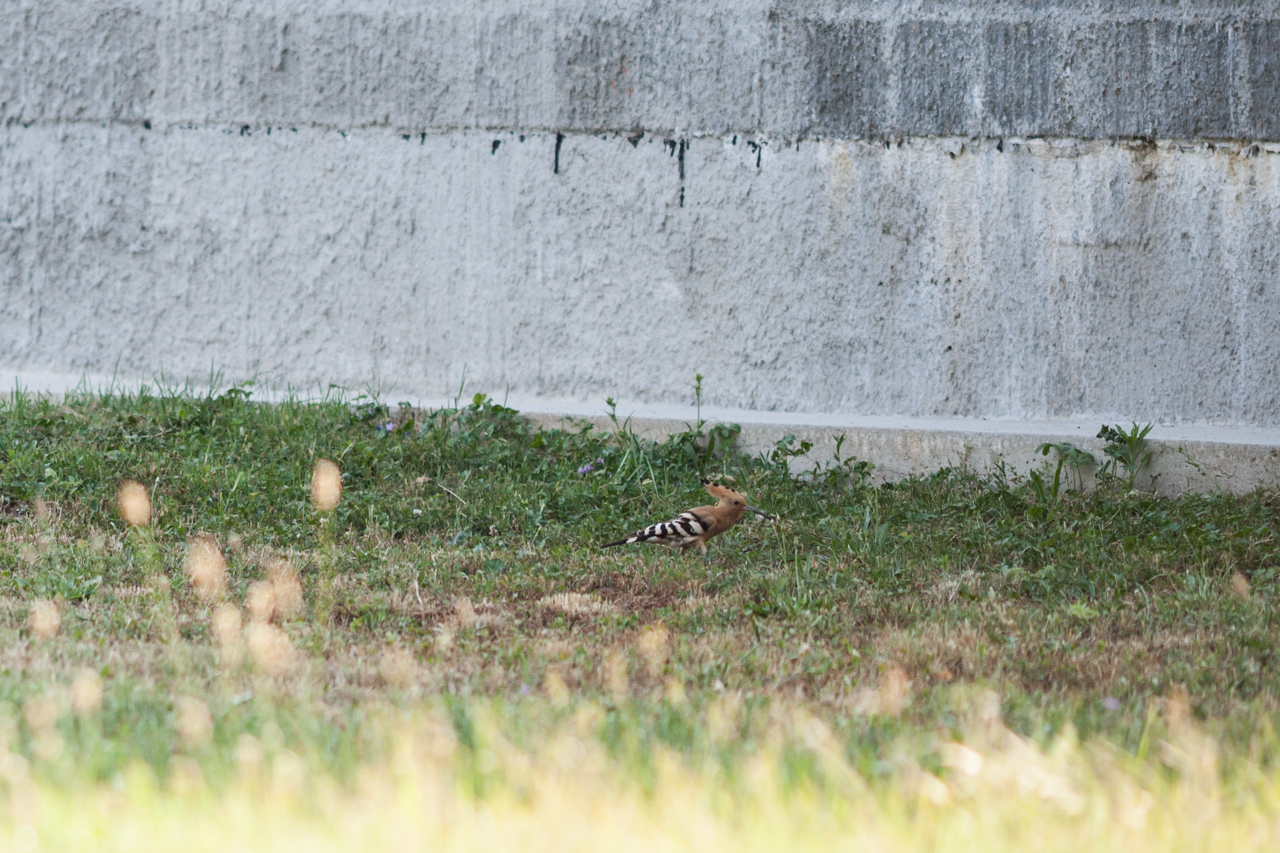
627 541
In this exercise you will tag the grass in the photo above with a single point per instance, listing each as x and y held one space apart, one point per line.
1118 642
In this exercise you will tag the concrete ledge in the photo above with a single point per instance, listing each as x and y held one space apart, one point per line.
1187 458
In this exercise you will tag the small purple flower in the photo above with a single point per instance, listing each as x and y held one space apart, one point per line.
1111 703
590 466
389 426
525 690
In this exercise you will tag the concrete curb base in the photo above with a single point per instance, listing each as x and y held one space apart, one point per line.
1224 462
1198 459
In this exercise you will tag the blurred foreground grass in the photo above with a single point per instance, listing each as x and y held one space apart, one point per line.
1001 793
446 657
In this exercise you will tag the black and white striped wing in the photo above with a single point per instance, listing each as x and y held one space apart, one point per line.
682 530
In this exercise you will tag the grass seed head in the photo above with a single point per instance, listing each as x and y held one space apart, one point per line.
134 505
226 625
41 715
270 647
249 754
194 721
44 620
261 601
286 586
185 776
326 485
86 693
206 567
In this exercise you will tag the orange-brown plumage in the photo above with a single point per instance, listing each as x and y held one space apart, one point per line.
695 527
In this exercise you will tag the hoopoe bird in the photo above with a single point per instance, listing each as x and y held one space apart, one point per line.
695 527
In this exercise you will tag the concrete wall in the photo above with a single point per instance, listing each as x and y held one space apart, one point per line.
986 209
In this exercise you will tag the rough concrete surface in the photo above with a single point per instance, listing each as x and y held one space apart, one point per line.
1029 210
936 277
798 68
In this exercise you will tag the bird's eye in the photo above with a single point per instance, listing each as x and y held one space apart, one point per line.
737 503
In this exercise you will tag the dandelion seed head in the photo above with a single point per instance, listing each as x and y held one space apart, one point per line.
286 586
326 485
41 714
44 620
261 601
185 776
226 624
86 693
193 721
134 504
270 647
249 754
206 567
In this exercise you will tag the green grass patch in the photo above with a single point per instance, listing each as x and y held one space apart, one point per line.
461 571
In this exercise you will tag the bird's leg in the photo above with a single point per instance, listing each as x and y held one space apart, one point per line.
702 547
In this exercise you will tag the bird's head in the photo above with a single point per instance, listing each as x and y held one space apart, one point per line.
730 498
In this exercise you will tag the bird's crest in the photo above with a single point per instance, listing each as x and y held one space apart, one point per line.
723 492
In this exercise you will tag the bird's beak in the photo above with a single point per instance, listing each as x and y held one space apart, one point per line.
760 513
